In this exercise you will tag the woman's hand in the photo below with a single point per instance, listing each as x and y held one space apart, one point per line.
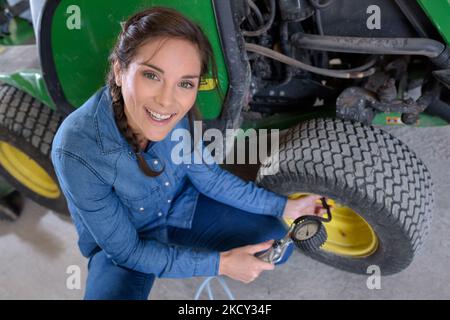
303 206
241 264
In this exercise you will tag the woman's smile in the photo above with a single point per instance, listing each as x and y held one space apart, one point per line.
158 118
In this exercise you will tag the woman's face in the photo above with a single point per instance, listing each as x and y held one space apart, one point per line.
159 86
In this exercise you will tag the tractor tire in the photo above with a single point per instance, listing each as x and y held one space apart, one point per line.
371 175
27 128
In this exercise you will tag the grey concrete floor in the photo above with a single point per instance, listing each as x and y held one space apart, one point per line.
37 249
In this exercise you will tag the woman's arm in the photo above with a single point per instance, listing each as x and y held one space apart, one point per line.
107 220
223 186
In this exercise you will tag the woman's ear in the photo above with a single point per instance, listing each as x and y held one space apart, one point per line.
117 74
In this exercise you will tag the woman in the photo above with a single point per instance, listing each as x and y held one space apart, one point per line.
138 214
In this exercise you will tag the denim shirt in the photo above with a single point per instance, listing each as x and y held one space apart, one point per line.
115 207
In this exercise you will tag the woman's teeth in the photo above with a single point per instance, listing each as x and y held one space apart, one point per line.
157 116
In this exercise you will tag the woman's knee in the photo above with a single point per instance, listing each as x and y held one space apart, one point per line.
273 229
108 281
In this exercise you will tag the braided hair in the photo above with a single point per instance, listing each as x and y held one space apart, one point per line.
157 22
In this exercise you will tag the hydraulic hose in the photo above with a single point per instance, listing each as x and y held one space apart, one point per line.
436 51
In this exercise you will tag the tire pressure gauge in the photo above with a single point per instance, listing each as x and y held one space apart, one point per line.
306 232
309 233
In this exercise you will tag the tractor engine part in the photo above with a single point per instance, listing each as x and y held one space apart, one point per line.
436 51
359 104
295 10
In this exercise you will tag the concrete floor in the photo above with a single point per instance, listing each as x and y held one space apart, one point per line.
37 249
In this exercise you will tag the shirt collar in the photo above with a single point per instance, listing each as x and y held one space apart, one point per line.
109 137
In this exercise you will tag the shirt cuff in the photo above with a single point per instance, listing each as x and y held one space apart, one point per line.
277 205
207 264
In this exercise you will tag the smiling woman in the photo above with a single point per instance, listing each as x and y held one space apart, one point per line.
140 215
150 92
156 98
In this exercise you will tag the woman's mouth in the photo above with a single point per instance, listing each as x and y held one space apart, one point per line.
159 118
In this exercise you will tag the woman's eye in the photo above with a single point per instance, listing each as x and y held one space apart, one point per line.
186 85
150 75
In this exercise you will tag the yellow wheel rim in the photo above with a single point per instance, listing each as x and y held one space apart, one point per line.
27 171
348 233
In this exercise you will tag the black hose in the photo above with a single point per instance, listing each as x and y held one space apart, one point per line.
409 46
256 10
323 56
285 48
266 27
433 49
439 108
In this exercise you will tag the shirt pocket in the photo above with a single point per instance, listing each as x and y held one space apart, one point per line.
145 208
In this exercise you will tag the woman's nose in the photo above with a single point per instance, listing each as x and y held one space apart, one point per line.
165 96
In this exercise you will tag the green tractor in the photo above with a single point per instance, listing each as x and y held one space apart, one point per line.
330 72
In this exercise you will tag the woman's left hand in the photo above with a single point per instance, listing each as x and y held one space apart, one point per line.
303 206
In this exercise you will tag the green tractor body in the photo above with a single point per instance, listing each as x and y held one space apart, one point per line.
75 60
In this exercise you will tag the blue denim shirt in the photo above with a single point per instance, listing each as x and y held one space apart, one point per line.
117 208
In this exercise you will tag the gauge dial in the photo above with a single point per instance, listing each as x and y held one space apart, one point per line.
307 230
309 234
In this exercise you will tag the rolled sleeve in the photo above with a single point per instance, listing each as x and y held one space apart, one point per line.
276 204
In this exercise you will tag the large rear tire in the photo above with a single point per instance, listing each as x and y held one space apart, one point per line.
382 192
27 128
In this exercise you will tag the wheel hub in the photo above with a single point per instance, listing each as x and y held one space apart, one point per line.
27 171
349 234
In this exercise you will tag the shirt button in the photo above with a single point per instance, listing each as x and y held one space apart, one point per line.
166 183
159 214
141 209
155 162
188 166
169 201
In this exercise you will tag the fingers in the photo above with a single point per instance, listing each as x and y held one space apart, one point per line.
317 208
260 266
310 204
259 247
319 211
311 200
252 277
266 266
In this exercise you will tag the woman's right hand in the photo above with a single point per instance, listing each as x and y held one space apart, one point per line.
241 264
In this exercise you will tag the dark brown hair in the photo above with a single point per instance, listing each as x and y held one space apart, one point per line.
157 22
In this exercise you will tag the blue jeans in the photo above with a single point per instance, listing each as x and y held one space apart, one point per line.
216 226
